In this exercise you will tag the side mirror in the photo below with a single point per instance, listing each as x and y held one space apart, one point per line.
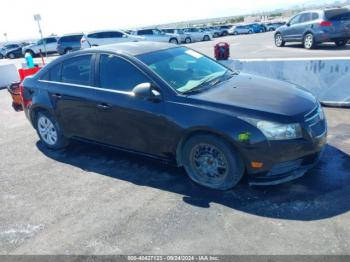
146 91
288 24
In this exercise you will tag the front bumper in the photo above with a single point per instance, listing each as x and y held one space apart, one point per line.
287 171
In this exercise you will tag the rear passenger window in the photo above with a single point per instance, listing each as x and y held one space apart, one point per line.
77 70
54 74
314 16
118 74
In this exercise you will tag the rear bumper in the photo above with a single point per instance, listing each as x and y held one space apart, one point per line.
331 37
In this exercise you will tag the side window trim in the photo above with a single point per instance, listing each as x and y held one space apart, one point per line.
97 70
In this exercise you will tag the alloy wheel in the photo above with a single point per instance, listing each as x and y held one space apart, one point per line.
47 130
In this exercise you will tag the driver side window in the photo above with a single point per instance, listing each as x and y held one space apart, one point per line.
295 20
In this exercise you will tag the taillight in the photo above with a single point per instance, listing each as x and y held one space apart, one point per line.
25 96
326 23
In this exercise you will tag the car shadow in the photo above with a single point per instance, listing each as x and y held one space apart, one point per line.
324 46
322 193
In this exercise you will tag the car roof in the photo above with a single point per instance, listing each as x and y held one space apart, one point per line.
134 48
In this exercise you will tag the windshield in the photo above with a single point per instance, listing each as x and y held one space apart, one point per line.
183 69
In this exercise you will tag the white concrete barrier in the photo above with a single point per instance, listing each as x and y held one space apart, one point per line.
328 79
8 75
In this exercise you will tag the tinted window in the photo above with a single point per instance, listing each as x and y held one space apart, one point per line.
338 14
118 74
295 20
71 38
77 70
145 32
112 35
94 35
314 16
55 73
51 40
306 17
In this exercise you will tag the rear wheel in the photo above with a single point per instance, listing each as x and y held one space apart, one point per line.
68 50
30 52
212 162
309 41
11 56
341 43
49 131
279 42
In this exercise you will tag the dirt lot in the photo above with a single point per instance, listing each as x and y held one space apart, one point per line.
91 200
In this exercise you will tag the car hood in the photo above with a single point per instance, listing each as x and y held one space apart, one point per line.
262 94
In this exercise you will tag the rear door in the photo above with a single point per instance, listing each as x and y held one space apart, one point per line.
73 96
341 21
303 25
125 120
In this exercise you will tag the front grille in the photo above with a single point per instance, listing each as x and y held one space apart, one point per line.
316 121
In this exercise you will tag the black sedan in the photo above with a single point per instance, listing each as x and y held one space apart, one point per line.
175 104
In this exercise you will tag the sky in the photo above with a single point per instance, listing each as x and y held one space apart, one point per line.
69 16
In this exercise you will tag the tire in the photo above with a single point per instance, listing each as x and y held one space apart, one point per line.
174 41
30 52
49 131
250 32
271 30
341 43
224 33
309 41
11 56
67 50
219 153
279 42
188 40
235 33
206 38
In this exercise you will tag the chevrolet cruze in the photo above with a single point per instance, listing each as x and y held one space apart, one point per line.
173 103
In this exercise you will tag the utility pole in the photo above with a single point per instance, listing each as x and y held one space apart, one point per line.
37 18
5 35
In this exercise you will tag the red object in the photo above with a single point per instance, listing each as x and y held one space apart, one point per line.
326 23
222 51
27 72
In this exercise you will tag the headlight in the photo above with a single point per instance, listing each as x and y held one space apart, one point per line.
276 131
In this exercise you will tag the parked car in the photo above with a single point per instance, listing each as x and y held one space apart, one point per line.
179 34
106 37
257 28
11 51
50 43
69 43
215 31
273 26
317 26
198 34
175 104
223 30
240 29
157 35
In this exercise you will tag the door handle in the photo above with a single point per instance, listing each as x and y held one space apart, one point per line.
103 106
58 96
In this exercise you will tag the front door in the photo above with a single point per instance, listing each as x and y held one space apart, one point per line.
127 121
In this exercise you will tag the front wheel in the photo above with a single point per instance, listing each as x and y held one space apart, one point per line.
212 162
188 40
206 38
309 41
279 42
173 41
49 131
